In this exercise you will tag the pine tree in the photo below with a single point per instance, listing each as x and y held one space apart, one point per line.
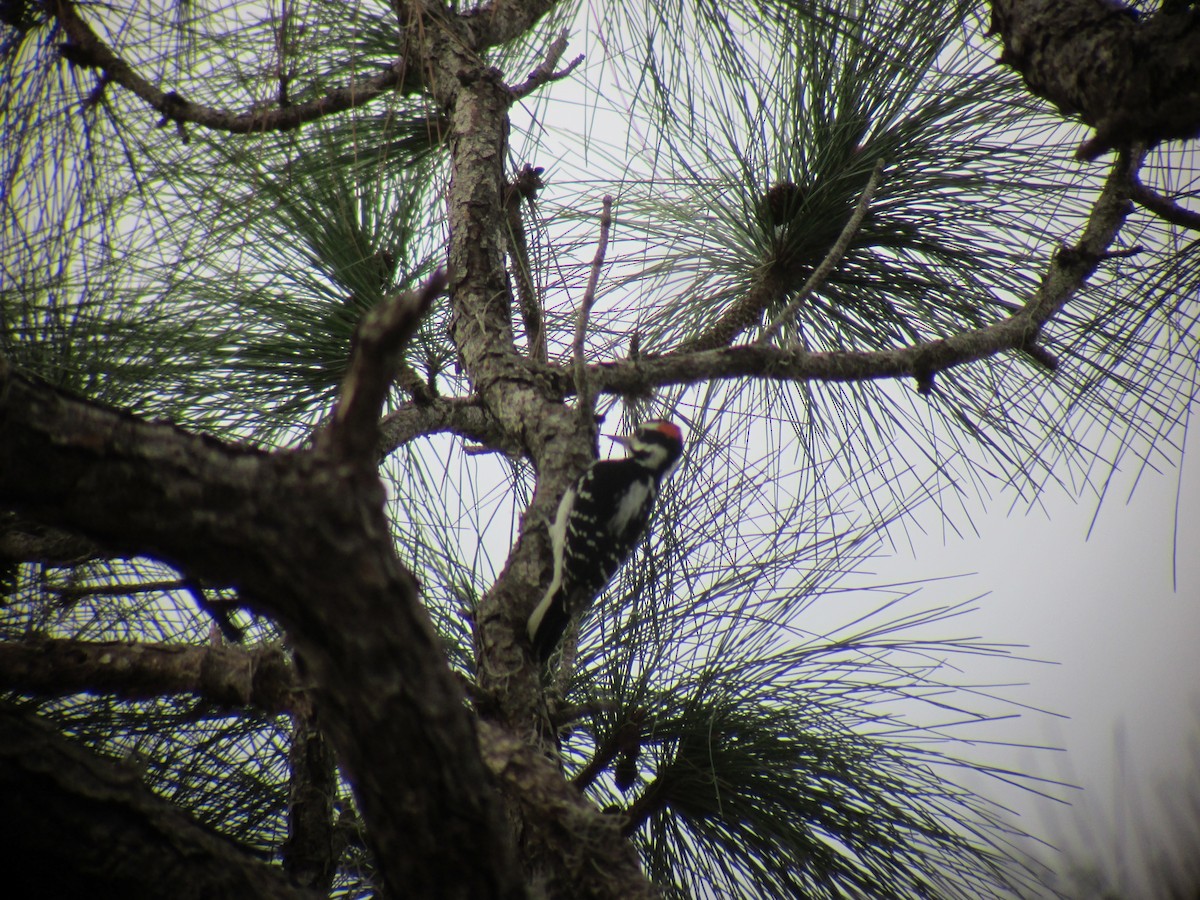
312 311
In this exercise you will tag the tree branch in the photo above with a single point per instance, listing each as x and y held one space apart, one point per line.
25 541
464 416
261 678
84 47
93 828
525 187
590 858
1067 273
1131 77
498 22
582 392
352 434
544 73
311 852
1164 207
517 393
304 539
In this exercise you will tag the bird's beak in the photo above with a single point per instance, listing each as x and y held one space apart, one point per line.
621 439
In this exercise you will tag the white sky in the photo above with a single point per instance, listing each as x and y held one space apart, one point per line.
1123 640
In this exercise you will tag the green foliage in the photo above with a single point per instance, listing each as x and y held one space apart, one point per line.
219 280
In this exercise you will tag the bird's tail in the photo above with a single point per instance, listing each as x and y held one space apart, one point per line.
551 625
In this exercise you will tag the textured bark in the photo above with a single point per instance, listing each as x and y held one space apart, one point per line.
586 854
303 536
577 854
23 541
311 851
466 418
78 825
230 677
742 315
1130 77
305 540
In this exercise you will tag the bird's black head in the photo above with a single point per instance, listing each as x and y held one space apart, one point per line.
656 444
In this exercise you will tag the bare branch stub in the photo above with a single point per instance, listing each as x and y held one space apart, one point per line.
353 432
583 392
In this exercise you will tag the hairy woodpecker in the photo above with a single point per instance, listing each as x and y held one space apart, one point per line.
599 522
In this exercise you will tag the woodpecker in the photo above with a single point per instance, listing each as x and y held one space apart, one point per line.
599 522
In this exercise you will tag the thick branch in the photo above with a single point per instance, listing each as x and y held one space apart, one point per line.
306 542
25 541
1132 78
466 417
591 858
234 677
500 21
85 47
1165 208
518 395
311 851
79 825
513 391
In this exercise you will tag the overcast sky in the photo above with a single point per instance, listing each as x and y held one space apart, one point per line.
1122 637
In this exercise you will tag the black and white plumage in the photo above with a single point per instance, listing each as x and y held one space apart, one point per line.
599 522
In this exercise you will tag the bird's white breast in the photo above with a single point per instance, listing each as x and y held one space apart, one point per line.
633 505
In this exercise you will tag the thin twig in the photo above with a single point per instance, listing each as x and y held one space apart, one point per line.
525 186
831 260
585 310
73 593
625 740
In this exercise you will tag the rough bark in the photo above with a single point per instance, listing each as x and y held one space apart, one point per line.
1133 78
563 861
311 851
305 540
78 825
231 677
23 541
